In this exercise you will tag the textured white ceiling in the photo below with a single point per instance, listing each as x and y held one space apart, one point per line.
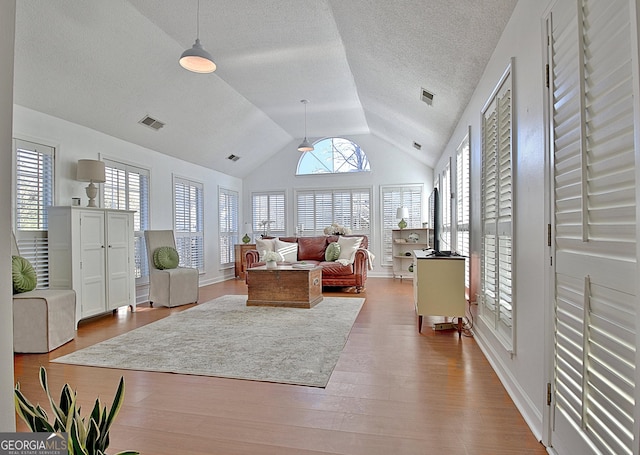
360 63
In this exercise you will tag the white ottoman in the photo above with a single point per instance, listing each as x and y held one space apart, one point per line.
43 320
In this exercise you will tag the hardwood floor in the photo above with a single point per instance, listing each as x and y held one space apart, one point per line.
393 391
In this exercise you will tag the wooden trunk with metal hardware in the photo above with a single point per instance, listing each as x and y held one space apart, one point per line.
284 286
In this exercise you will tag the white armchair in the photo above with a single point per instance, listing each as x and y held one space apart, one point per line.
169 287
43 319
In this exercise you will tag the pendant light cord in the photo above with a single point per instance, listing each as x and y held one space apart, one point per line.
198 21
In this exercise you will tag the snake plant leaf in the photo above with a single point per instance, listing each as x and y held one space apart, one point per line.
76 447
93 436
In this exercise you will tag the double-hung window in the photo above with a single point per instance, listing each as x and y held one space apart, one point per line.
393 197
228 224
268 213
127 188
317 209
188 222
34 171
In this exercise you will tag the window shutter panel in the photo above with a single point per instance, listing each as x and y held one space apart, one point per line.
592 85
269 207
188 216
34 193
228 225
392 197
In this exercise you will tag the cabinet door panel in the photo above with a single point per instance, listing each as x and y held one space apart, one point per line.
92 262
118 265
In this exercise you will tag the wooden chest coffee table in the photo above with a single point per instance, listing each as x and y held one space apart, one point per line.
284 286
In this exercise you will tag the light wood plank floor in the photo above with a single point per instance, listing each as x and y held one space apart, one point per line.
394 391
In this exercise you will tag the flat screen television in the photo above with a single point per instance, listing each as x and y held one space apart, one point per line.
434 221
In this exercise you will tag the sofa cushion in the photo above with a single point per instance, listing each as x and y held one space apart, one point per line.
311 248
263 245
348 247
23 274
335 269
288 250
333 252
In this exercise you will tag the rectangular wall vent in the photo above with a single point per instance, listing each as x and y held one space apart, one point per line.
233 157
417 146
426 96
152 123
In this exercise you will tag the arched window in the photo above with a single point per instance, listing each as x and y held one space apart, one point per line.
333 155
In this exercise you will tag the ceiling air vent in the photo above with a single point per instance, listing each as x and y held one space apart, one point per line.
233 157
417 146
152 123
426 96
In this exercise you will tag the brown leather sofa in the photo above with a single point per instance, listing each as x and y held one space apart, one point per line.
312 250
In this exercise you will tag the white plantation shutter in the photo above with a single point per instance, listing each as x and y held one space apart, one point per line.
497 213
269 207
463 199
446 215
591 94
392 197
317 209
188 222
228 224
34 171
127 188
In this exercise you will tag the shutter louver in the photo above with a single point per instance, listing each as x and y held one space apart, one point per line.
269 207
188 216
317 209
228 225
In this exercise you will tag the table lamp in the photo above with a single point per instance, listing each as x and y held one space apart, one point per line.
91 171
401 214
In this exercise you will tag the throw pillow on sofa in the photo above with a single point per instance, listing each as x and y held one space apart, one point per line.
289 251
165 257
264 245
333 252
23 275
348 247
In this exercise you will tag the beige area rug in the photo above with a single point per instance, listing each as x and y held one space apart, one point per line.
225 338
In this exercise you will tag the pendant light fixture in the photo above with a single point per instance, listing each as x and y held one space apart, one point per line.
305 146
197 59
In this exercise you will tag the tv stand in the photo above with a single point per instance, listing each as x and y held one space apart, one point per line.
438 287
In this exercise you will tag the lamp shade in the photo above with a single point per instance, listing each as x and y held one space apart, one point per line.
305 146
197 59
402 212
90 171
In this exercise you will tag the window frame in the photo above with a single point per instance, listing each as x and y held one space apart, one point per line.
462 212
33 240
319 155
392 197
228 225
140 219
190 255
270 208
329 203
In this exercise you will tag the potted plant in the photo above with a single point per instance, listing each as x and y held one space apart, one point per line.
86 436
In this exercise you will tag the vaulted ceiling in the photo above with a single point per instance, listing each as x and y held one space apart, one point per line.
362 64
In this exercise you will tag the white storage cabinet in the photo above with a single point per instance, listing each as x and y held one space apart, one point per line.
91 251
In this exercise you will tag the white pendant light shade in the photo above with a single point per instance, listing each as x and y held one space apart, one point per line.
197 59
305 146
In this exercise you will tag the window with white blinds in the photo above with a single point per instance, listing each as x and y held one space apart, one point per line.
393 197
317 209
34 187
268 213
592 76
497 305
188 222
228 224
446 214
127 188
463 213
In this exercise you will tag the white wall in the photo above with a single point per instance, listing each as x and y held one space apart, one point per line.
74 142
524 373
389 166
7 29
